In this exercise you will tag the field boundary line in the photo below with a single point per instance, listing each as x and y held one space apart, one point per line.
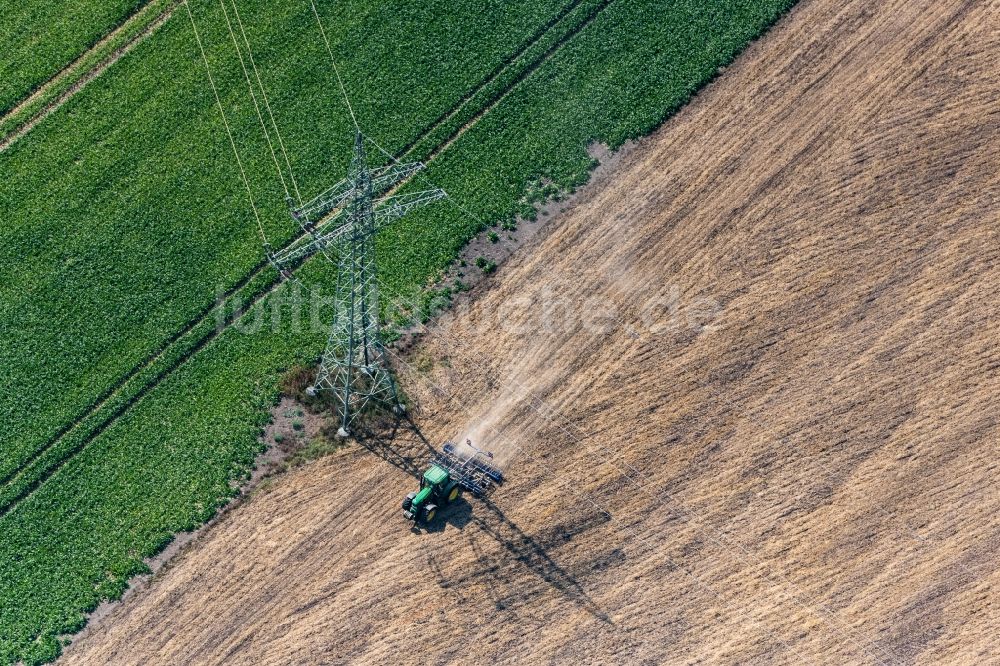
8 504
78 74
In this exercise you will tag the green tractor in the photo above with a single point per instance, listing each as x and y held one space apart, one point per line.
454 469
437 490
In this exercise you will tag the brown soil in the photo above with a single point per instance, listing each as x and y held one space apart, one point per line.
808 477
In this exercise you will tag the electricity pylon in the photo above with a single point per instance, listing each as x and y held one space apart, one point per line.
341 223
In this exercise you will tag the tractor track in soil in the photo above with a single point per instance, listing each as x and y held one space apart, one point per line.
8 504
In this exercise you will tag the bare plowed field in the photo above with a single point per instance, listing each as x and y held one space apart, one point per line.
746 390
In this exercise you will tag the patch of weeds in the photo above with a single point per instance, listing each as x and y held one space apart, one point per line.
315 449
295 380
264 486
434 301
487 266
537 193
493 236
293 384
424 363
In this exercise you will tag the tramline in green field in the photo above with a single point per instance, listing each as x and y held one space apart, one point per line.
38 39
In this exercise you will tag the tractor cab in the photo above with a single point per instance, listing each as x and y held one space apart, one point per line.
437 490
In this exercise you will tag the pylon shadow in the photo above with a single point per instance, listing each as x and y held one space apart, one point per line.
398 441
533 554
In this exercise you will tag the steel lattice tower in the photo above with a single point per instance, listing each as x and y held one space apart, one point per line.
341 223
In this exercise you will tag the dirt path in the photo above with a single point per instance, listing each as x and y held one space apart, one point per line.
810 478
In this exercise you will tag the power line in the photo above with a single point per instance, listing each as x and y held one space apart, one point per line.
229 132
253 96
267 103
353 117
343 90
336 70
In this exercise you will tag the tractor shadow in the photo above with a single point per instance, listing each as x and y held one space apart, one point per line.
399 442
457 514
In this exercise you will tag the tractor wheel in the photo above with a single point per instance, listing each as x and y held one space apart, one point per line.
408 502
429 512
455 493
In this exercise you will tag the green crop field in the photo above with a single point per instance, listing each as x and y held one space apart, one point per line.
129 410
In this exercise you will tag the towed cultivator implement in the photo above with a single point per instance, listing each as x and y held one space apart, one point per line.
475 472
